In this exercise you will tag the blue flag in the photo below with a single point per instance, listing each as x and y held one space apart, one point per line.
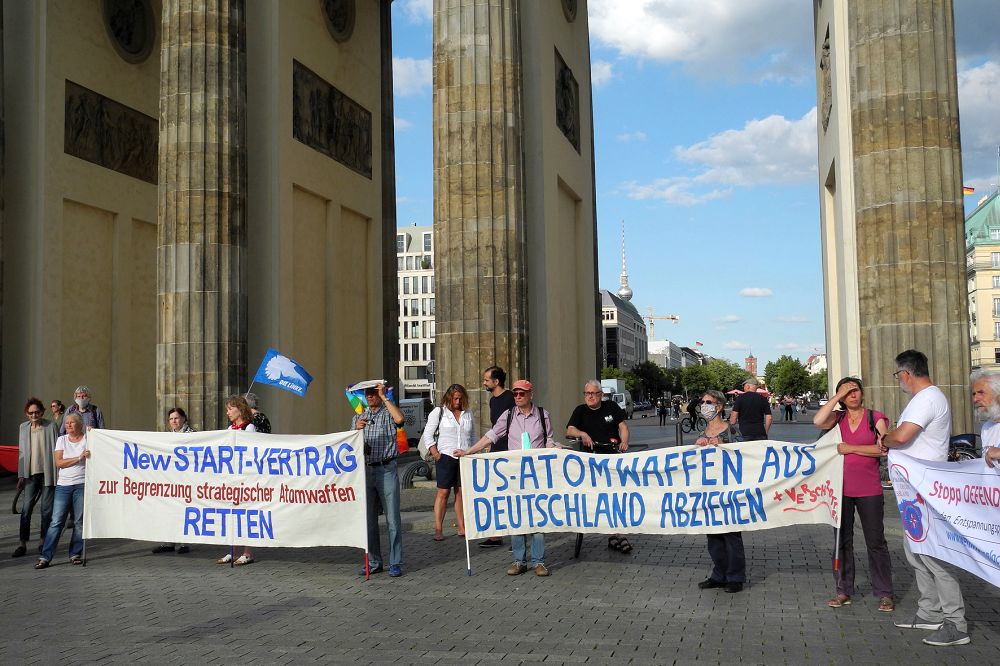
283 372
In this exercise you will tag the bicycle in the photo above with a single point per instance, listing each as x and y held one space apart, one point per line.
697 425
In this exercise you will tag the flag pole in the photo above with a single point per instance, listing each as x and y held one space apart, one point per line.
248 389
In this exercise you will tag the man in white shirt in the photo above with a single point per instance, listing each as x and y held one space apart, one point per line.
923 432
986 400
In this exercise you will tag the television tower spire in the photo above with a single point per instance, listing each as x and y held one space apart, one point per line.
624 292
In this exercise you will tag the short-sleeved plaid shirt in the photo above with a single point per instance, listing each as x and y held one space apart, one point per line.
379 434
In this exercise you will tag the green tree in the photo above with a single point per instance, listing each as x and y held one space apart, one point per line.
728 375
820 383
612 373
675 384
698 379
632 382
787 376
652 379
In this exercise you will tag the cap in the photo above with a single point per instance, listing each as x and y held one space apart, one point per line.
522 384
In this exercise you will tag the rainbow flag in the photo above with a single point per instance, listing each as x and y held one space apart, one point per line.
356 394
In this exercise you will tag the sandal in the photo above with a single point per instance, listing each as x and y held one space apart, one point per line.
614 542
624 546
840 600
42 564
243 560
439 537
76 559
226 559
885 604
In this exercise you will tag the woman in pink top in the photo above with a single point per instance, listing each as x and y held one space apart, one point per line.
861 430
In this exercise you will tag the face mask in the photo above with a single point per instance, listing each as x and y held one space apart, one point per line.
709 411
82 402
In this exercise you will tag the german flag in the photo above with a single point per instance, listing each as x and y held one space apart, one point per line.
968 190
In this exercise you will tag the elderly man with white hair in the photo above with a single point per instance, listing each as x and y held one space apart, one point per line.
986 400
90 413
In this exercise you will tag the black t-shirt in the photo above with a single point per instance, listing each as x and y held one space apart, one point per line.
751 408
601 424
498 405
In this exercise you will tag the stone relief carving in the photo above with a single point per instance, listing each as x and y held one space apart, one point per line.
569 9
327 120
567 102
339 17
109 134
826 103
131 25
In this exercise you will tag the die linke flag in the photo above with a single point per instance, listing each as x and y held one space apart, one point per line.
281 371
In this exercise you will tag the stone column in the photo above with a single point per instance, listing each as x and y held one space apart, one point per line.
201 351
908 198
479 232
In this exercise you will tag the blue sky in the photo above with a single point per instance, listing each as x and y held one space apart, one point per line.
705 143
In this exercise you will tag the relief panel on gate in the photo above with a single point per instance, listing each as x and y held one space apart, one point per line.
327 120
112 135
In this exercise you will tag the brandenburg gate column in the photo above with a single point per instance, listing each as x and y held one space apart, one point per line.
201 354
479 232
908 198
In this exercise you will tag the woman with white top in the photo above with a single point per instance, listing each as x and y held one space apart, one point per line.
449 428
240 418
71 455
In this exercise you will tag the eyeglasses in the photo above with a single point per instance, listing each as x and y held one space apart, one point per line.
709 402
517 393
895 375
35 412
592 393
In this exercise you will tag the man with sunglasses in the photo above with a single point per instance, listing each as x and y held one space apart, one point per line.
600 426
526 426
36 469
923 432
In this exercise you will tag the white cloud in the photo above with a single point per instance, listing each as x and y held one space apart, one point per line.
401 124
792 319
978 101
627 137
729 319
411 76
419 11
735 344
756 292
760 40
767 151
601 72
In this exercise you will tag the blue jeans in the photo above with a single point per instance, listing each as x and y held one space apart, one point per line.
382 483
35 490
519 542
66 496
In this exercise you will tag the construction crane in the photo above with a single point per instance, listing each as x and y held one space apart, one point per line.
651 316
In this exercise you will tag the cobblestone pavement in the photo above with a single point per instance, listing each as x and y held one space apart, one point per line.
299 606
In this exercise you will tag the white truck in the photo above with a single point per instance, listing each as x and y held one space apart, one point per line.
614 389
415 410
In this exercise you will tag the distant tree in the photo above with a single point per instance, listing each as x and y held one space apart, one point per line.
820 383
787 376
632 382
653 381
675 384
698 379
612 373
728 375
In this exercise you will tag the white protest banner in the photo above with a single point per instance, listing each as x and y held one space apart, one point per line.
689 489
227 487
949 511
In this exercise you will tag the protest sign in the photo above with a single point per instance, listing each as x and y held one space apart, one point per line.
689 489
227 487
949 511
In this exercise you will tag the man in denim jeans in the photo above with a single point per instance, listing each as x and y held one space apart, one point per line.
36 469
527 426
378 423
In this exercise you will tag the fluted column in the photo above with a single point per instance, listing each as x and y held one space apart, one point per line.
201 352
478 193
908 197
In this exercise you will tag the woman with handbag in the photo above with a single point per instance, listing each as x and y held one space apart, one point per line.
450 427
861 430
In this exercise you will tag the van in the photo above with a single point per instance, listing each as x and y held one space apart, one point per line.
622 399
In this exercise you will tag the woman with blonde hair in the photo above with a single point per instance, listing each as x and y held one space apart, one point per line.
449 427
240 418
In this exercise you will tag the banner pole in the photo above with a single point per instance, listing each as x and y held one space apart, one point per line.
232 556
468 557
836 549
367 570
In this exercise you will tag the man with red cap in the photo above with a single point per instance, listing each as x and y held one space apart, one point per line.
526 426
